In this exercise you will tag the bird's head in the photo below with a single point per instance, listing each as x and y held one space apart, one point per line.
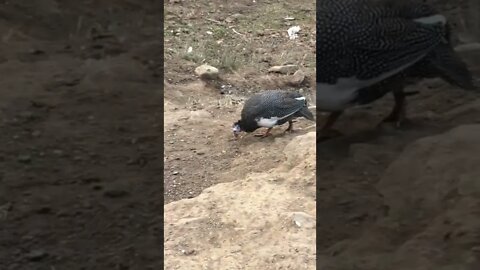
236 129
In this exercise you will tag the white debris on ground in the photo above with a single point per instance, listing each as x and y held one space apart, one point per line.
293 32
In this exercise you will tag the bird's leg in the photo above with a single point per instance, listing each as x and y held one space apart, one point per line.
326 132
266 134
398 114
290 126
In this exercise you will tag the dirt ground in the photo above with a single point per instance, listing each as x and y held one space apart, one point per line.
238 193
243 39
80 121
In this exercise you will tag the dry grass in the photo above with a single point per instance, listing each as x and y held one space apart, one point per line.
240 43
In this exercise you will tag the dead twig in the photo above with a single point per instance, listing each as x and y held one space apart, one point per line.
236 32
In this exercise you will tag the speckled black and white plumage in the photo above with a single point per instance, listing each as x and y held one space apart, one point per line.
367 48
271 108
357 38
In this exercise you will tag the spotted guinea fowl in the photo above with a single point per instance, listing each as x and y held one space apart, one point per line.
271 108
368 48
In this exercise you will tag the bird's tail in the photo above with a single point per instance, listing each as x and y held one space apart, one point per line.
451 67
305 112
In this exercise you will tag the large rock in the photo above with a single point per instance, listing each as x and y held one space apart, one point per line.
207 72
297 78
432 192
263 221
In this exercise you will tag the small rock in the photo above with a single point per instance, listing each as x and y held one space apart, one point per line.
297 78
175 173
24 158
188 252
207 72
302 219
285 69
36 255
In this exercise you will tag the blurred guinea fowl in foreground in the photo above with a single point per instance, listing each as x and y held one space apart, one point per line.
367 48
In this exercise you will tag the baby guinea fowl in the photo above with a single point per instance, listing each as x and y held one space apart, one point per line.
271 108
367 48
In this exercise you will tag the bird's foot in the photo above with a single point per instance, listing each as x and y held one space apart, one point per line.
263 135
289 129
327 134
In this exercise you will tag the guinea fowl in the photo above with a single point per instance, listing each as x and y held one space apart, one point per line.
366 49
270 108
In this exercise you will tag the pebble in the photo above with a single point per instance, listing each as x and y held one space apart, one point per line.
188 252
285 69
304 220
175 173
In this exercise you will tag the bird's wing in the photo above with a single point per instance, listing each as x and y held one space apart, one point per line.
273 104
392 44
287 104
